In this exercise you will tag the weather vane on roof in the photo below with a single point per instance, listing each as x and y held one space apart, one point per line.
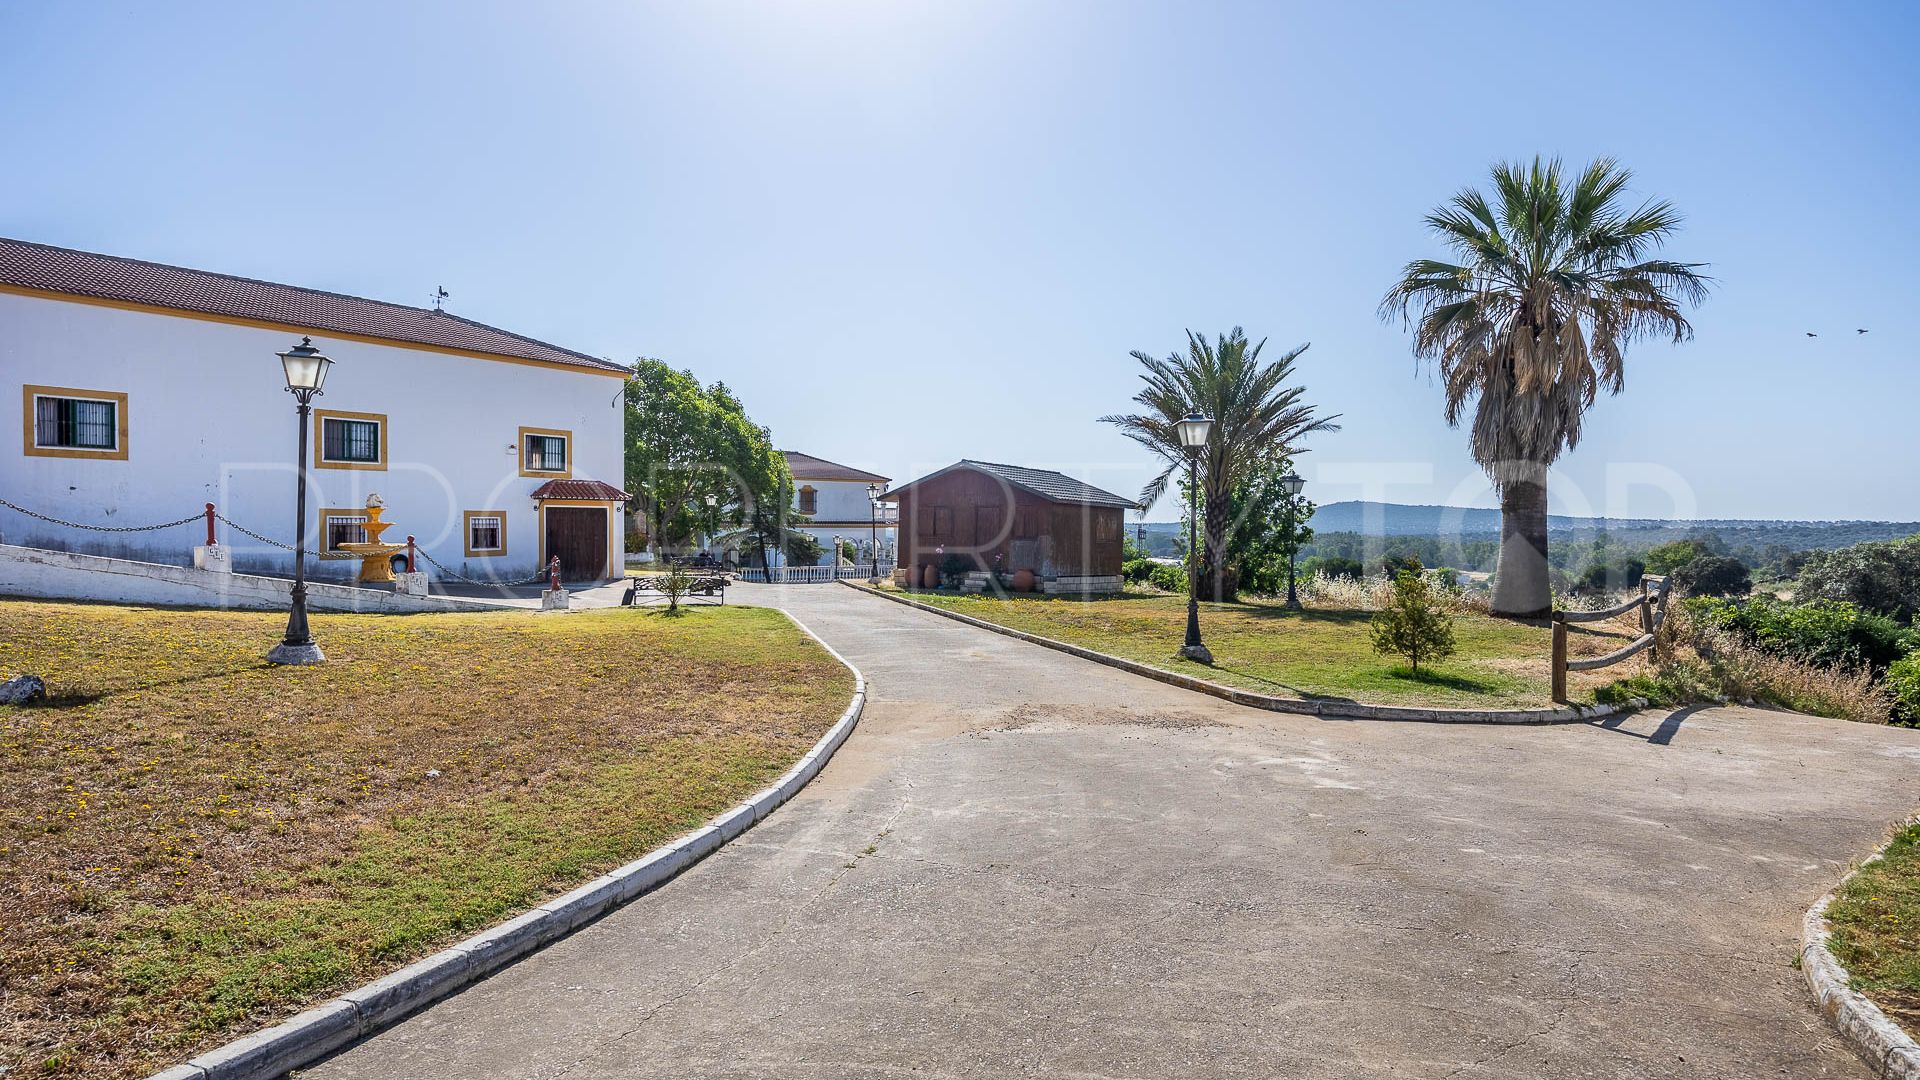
440 295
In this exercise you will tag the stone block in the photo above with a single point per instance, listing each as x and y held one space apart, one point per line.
586 903
389 998
553 600
214 558
511 940
414 584
285 1046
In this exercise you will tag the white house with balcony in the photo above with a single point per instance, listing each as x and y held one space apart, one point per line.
147 391
837 501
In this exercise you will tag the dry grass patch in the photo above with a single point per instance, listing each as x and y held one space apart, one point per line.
194 843
1320 652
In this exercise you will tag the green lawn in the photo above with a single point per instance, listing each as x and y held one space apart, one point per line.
1259 645
1876 929
194 843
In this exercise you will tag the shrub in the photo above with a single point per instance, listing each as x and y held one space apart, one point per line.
1168 578
1903 682
1713 575
1718 664
1413 624
1136 571
1882 576
803 549
1667 558
1332 566
954 569
1825 632
1621 573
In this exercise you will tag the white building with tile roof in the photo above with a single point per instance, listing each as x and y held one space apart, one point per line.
147 391
837 502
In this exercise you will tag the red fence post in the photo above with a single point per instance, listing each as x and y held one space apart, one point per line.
409 553
210 540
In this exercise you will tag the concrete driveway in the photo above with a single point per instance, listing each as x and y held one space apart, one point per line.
1027 864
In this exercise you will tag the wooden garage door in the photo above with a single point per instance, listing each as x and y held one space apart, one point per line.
578 534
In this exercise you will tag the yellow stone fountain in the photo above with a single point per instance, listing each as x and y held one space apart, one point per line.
376 558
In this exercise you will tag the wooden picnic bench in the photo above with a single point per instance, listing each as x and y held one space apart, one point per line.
650 589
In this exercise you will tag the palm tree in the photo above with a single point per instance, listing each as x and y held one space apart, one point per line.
1553 283
1256 416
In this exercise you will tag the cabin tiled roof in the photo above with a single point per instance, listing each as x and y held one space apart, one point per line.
580 489
808 467
1049 485
40 267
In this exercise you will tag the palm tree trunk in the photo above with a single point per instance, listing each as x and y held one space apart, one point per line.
1216 583
1521 588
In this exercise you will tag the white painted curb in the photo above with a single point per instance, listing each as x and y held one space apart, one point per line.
1879 1041
327 1027
1341 710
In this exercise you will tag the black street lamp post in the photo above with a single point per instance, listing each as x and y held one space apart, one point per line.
1193 436
873 532
1291 484
306 370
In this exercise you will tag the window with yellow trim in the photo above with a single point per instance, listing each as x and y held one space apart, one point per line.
546 452
64 422
349 440
486 533
342 527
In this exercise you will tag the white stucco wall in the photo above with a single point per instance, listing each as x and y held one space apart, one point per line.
209 420
842 509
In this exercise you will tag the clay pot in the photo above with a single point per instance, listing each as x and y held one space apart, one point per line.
929 577
1023 581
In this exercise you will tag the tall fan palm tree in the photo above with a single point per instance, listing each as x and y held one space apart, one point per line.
1255 415
1555 280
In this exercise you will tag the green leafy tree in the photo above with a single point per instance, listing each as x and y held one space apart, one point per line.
1881 576
1414 623
1671 556
1556 278
1903 681
1713 575
1258 539
1257 417
697 464
803 550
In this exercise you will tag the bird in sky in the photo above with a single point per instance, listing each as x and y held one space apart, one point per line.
1812 334
1859 331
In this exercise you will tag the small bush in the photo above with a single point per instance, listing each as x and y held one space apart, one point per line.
1137 571
1413 624
1824 632
1903 682
1168 578
1332 566
954 569
1705 662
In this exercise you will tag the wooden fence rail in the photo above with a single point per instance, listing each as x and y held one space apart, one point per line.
1652 603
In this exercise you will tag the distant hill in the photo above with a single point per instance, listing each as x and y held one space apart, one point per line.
1475 523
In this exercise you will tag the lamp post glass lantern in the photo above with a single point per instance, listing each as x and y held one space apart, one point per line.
1291 485
1194 430
305 368
873 533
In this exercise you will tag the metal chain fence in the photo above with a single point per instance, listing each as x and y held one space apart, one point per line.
250 534
199 516
446 573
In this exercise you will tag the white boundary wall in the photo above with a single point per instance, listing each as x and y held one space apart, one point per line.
61 575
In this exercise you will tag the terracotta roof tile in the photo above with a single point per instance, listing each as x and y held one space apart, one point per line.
109 277
808 467
580 489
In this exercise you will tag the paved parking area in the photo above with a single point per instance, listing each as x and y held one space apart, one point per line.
1026 864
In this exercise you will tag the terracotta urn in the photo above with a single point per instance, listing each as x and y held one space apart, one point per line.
1023 581
929 577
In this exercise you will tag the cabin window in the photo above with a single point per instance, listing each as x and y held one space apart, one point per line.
342 527
545 452
351 440
809 501
934 520
486 533
75 423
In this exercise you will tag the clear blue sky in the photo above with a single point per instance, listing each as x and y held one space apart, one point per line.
907 233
